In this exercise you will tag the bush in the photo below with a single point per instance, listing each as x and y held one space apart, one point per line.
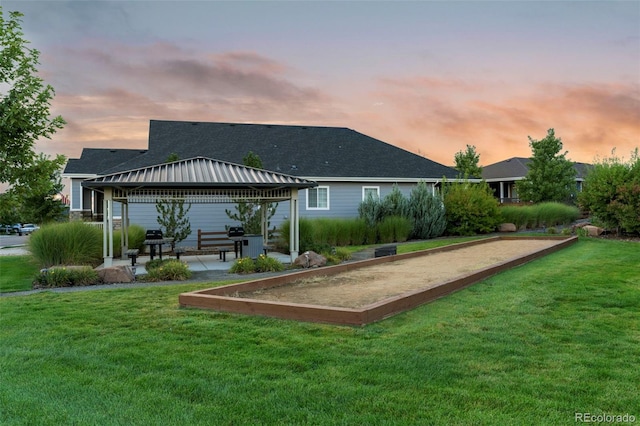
66 277
245 265
72 243
426 212
470 208
611 193
167 270
268 264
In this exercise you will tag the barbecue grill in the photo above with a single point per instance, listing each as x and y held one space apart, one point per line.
235 231
153 234
153 238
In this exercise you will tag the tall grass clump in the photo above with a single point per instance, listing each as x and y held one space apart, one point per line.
539 215
394 229
71 243
552 214
136 239
518 215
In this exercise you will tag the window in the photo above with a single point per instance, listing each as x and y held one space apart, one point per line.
318 198
373 190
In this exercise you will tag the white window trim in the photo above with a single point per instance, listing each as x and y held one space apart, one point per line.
328 198
364 189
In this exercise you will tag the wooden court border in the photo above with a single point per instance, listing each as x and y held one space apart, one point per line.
221 299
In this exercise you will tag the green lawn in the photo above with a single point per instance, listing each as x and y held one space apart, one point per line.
17 273
533 346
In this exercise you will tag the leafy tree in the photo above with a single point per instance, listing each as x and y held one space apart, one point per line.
173 216
173 219
467 163
611 193
173 157
34 179
471 208
248 213
40 203
24 105
551 176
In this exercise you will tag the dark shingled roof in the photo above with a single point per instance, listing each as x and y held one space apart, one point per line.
307 151
518 167
95 161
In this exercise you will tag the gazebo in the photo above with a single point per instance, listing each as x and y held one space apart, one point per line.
196 180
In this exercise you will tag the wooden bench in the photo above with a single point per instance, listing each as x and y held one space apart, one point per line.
133 255
218 240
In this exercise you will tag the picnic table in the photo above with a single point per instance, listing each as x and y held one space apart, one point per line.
157 242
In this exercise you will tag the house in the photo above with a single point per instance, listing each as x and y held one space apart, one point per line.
346 165
502 177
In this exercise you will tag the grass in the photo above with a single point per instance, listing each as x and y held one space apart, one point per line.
533 345
17 273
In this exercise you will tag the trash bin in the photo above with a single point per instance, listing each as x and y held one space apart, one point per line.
252 246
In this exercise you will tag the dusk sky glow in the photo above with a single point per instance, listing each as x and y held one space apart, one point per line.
429 77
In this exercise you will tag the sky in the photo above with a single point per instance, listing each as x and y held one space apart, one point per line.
430 77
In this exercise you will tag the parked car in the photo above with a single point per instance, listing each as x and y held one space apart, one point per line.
28 228
10 229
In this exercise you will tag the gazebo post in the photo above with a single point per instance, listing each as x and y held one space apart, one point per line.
107 228
263 222
124 229
294 225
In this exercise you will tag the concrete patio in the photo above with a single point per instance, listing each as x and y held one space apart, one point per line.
196 263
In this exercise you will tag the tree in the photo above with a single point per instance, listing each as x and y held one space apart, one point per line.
173 216
173 219
247 213
611 193
37 198
24 105
467 163
551 176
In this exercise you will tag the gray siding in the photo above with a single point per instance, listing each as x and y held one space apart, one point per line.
344 199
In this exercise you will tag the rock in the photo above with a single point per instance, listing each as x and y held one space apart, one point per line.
507 227
116 274
593 231
310 259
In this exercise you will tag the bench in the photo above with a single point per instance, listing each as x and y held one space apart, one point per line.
178 251
218 240
385 251
223 253
133 255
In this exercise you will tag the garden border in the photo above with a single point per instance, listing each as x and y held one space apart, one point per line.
218 298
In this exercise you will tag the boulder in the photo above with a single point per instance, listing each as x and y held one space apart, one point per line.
507 227
593 231
310 259
116 274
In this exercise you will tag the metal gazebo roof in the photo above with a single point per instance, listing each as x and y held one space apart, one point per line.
198 180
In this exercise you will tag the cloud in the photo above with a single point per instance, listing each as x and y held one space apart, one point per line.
439 116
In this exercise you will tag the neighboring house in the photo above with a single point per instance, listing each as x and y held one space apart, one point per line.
502 177
347 165
83 202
